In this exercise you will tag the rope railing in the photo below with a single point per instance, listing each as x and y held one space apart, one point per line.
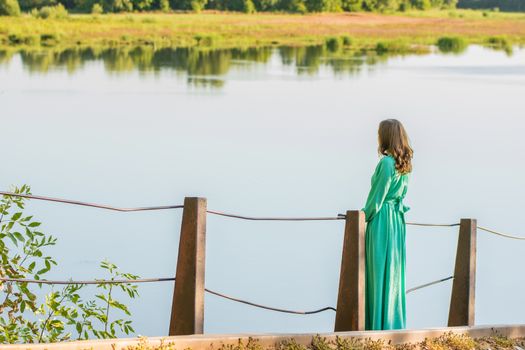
500 233
270 308
431 225
429 284
236 216
196 209
221 295
93 205
86 282
252 218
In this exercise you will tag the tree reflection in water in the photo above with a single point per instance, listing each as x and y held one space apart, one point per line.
203 67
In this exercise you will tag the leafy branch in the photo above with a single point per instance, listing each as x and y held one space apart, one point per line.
23 316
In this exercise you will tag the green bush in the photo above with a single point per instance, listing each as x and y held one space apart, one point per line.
500 43
97 9
206 40
347 40
392 47
49 39
248 6
15 39
451 44
9 8
164 5
334 44
52 12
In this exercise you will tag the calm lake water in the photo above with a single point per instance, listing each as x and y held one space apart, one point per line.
284 132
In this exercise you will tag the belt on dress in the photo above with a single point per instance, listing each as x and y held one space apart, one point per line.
398 204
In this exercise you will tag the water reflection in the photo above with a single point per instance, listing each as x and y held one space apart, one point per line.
202 67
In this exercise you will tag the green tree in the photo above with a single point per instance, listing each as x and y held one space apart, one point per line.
324 5
97 9
405 5
164 5
142 5
296 6
9 8
194 5
450 4
352 5
248 6
381 5
265 5
117 5
421 4
27 5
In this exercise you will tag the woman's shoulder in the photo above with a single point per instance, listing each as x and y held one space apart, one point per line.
387 160
386 164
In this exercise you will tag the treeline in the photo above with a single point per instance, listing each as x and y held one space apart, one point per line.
247 6
503 5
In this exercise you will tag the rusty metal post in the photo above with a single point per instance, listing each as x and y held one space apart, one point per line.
187 311
350 315
462 300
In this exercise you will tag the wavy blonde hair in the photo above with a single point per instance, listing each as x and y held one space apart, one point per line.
393 140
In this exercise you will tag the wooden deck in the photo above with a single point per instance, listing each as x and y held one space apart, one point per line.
207 342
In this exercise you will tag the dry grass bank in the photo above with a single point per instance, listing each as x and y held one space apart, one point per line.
235 29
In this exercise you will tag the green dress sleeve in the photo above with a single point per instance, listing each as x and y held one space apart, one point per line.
381 180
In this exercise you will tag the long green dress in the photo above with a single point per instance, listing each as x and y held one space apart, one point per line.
385 306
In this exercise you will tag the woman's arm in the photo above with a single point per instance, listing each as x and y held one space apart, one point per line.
380 185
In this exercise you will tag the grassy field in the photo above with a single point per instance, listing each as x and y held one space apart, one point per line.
219 29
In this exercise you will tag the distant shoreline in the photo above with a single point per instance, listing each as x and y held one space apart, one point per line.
406 31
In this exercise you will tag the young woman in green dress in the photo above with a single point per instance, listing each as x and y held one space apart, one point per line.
385 306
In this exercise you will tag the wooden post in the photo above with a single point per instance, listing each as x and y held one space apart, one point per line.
350 315
461 311
187 311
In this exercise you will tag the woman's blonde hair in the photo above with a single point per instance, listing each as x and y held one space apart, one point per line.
393 140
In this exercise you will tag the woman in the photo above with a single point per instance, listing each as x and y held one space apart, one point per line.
385 306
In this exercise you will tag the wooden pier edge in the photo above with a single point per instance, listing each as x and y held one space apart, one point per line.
207 342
